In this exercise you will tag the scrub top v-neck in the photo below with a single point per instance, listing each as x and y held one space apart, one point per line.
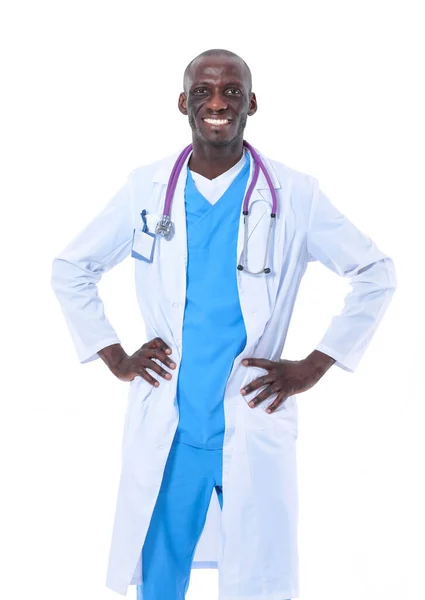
213 327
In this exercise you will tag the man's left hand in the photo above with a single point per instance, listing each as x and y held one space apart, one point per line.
286 377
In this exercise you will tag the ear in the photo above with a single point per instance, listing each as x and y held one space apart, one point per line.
182 103
252 105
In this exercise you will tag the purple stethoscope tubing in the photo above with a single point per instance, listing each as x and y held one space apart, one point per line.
172 182
258 164
165 227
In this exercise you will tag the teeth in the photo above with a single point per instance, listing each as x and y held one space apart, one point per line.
216 121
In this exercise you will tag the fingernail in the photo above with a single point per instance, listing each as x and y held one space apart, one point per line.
156 384
243 392
251 404
244 362
173 365
269 410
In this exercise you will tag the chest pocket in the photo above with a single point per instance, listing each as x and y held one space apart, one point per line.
151 221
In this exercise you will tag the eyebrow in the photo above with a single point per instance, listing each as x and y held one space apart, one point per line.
228 83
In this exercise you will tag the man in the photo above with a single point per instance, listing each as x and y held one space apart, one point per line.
208 459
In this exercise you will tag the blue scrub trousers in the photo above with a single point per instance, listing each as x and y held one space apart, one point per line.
191 475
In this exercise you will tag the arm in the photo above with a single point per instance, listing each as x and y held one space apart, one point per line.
76 271
104 243
339 245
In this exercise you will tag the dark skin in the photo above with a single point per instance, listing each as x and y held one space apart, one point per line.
217 87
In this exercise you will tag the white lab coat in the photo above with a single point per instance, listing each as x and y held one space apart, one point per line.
253 540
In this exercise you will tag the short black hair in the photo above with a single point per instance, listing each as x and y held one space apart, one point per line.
216 51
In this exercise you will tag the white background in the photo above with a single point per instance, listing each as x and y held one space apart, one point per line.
90 92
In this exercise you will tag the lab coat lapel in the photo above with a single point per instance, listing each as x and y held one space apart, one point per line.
176 247
173 252
257 292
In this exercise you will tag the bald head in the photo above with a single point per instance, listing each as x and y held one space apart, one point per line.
217 85
219 53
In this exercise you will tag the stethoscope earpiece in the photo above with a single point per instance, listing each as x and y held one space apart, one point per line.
266 270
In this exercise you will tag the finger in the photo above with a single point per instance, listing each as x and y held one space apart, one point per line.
145 375
271 389
258 362
151 343
147 363
257 383
161 345
160 355
158 343
165 347
278 401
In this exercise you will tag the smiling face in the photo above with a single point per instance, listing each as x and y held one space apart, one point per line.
217 99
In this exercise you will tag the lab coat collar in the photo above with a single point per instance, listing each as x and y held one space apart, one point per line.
163 172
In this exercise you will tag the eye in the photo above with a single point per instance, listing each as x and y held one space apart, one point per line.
235 91
200 91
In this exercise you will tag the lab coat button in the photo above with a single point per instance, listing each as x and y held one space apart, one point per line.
175 305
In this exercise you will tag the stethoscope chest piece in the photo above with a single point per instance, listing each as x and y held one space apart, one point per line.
165 227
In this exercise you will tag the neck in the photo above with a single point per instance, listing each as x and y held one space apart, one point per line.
212 161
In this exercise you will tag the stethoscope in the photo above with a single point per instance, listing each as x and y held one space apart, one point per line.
165 227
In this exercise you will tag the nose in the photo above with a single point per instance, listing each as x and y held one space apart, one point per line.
217 102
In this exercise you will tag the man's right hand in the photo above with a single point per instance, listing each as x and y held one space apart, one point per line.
127 367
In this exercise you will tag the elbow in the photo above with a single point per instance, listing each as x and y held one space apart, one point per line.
60 276
381 274
71 277
55 274
391 274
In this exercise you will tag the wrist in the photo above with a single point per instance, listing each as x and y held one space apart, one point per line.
113 356
319 361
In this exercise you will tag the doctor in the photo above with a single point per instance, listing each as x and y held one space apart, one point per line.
208 475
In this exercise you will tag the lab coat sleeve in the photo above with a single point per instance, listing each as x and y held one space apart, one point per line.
76 271
334 241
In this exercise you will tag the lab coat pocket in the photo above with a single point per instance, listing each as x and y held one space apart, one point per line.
272 461
142 255
285 417
140 390
255 373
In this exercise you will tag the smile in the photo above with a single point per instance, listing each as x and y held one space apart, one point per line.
217 121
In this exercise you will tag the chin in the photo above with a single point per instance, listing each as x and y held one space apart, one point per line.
214 140
219 142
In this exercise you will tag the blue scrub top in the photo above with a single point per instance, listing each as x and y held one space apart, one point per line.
213 327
